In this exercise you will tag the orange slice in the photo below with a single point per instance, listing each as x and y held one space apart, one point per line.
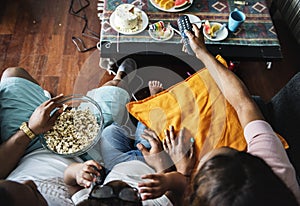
168 5
162 2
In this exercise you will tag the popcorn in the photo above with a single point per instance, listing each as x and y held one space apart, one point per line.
73 131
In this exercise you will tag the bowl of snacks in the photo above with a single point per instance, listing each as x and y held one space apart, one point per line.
77 129
160 32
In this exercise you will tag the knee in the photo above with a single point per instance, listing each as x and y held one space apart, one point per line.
114 82
13 72
109 131
112 132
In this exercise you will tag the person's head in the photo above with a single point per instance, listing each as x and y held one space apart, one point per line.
14 193
113 193
228 177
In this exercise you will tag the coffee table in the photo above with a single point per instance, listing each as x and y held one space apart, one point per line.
255 40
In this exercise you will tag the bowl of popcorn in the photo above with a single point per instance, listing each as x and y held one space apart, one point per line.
77 129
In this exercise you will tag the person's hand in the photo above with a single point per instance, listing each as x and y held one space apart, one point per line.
40 120
152 138
155 187
197 40
155 156
86 173
181 150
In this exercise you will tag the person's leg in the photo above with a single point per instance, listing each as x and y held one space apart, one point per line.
116 147
154 88
125 74
113 96
20 95
18 72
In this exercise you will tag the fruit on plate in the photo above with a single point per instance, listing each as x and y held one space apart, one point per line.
168 5
211 29
214 28
206 27
165 4
179 4
162 2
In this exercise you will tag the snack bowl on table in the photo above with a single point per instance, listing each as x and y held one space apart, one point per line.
160 32
77 129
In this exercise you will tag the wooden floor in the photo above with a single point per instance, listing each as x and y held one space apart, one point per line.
36 35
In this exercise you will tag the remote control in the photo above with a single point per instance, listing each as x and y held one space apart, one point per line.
185 24
99 179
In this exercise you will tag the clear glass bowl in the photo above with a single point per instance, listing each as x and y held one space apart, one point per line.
80 132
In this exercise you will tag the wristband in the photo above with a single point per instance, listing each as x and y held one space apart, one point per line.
27 131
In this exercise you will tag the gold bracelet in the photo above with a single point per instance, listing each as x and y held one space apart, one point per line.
27 131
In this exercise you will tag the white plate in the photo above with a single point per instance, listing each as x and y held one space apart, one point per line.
172 9
194 19
145 22
220 35
161 39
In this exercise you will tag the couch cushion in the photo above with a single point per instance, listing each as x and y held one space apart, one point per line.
198 105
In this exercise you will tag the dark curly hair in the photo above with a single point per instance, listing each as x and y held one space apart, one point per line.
238 180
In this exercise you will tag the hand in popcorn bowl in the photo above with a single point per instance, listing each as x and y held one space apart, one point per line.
77 129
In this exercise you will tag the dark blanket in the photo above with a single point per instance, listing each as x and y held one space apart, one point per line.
283 113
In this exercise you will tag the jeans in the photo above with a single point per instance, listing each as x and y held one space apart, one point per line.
138 139
116 145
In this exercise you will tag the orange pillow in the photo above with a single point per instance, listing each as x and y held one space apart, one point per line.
198 105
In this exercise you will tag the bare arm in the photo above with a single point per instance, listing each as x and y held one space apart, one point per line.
14 148
230 85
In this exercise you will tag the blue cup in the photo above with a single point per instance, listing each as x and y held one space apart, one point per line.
236 18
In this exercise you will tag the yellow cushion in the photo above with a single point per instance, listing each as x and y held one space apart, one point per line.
198 105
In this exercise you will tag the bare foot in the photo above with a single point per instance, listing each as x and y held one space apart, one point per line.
155 87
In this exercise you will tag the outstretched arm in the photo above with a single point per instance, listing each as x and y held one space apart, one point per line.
231 86
39 122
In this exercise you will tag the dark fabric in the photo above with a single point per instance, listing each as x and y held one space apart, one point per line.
283 113
263 108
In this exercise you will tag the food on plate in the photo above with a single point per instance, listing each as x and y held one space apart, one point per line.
206 27
169 4
73 131
214 29
159 31
179 4
211 29
128 18
165 4
157 26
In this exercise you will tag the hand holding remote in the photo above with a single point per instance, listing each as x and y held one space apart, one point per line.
185 24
